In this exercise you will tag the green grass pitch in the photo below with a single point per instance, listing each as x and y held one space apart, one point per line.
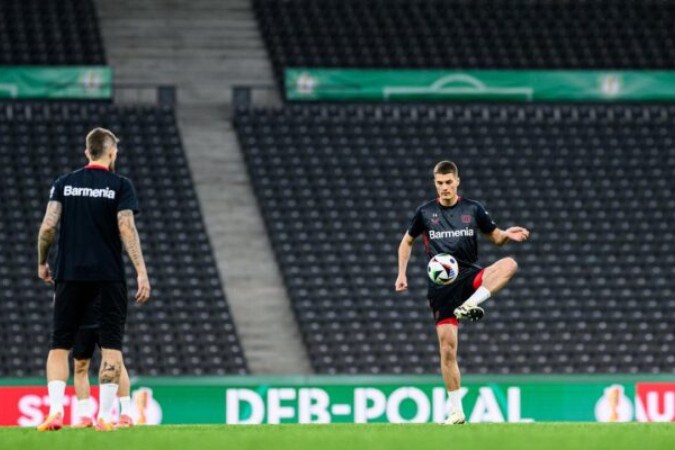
544 436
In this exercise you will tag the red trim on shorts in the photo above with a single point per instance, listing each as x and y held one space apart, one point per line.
96 167
478 279
449 320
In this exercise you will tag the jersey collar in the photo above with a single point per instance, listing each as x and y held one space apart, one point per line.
438 200
96 167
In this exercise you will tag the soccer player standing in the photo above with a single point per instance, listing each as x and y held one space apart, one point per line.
450 224
95 208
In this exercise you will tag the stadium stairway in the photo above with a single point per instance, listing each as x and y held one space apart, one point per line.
203 47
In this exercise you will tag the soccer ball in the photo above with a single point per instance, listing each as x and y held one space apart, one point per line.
443 269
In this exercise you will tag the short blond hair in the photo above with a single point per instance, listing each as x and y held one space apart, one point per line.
100 140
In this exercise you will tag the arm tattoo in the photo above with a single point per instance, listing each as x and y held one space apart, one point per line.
48 230
132 242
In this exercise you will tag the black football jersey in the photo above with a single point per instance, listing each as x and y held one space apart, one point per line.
452 229
89 247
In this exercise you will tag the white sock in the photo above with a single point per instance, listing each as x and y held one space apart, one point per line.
84 407
479 296
107 395
125 405
456 401
57 390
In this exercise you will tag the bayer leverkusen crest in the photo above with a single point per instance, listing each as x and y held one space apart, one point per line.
466 218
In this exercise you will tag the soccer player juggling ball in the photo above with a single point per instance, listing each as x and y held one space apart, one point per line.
450 224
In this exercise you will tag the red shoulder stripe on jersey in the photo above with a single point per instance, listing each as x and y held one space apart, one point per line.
96 167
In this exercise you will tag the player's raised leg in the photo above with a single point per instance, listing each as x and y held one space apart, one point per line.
447 341
498 275
493 279
57 376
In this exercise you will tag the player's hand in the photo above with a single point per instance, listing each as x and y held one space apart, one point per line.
45 274
517 234
143 293
401 283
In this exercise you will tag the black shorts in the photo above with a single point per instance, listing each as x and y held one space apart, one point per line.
444 299
86 338
77 302
85 344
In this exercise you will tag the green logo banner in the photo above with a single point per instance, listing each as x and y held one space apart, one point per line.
66 82
469 85
366 399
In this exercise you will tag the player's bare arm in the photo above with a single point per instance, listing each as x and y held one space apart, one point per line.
132 243
46 239
500 237
404 251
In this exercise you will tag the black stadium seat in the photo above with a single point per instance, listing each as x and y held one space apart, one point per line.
186 328
476 34
38 32
592 182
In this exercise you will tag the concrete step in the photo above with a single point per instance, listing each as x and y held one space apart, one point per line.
204 47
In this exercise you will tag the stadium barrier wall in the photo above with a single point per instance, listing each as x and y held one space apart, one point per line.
366 399
471 85
66 82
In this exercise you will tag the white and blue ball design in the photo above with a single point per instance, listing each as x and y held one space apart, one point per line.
443 269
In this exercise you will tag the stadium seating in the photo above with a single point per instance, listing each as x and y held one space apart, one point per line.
186 328
38 32
478 34
338 185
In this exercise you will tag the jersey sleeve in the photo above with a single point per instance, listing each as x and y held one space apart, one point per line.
416 224
484 221
56 192
128 199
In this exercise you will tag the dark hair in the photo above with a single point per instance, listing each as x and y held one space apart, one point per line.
445 167
99 140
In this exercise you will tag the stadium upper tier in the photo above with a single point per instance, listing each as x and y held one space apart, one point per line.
338 185
186 327
481 34
53 32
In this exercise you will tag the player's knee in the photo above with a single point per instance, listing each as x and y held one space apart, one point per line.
81 366
511 265
448 351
